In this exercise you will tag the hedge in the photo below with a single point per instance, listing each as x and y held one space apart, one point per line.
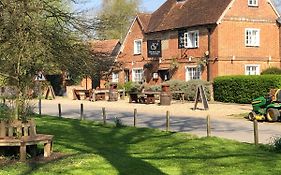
271 70
243 88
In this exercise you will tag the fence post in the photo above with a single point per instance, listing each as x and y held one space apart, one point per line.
168 121
208 126
40 100
135 117
256 134
59 106
81 111
103 115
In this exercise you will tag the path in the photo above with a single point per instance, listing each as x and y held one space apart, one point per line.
183 119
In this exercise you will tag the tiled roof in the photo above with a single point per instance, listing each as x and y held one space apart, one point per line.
104 47
187 13
144 19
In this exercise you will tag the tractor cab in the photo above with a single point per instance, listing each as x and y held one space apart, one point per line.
267 108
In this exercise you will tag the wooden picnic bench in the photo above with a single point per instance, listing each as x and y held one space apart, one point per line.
147 97
22 135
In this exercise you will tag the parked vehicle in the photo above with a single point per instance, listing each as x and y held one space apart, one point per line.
267 108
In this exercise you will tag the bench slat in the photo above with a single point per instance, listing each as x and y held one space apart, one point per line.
32 128
25 130
10 131
2 129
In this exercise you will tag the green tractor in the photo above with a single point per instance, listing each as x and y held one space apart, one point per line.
267 108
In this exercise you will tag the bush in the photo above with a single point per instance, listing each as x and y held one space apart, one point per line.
189 88
272 70
243 88
5 112
132 87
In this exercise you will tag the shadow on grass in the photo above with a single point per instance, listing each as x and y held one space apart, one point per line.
109 142
146 151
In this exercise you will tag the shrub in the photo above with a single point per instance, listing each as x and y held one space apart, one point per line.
243 88
153 88
272 70
132 87
189 88
5 112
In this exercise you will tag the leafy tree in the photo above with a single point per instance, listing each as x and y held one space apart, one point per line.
39 35
115 18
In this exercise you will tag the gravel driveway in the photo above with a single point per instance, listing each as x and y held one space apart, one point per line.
183 118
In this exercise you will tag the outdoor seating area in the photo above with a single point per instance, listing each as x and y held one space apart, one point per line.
22 135
97 94
147 97
136 95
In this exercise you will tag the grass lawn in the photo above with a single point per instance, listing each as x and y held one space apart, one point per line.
90 148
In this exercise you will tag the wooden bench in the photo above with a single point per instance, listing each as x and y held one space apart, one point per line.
22 135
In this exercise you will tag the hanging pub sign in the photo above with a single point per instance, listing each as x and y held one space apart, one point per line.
154 48
39 76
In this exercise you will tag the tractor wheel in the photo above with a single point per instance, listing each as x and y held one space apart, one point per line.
252 116
272 115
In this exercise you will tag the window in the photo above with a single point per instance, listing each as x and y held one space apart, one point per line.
137 46
252 69
192 73
137 75
252 37
253 3
191 39
115 77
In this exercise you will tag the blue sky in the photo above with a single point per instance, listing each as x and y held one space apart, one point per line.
93 5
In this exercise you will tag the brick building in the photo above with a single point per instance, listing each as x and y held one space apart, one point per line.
201 39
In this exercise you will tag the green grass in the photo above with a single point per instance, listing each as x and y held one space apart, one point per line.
91 148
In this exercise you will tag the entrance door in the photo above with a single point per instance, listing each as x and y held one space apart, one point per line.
127 75
164 75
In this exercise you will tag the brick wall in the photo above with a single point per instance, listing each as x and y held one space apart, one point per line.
228 54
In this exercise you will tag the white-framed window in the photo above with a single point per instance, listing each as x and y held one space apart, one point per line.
191 39
137 46
253 3
115 77
252 69
192 73
137 74
252 37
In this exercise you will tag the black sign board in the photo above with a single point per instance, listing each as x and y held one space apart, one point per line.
201 96
154 48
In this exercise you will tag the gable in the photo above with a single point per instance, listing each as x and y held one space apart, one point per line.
240 9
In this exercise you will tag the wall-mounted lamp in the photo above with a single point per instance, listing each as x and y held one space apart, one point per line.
232 59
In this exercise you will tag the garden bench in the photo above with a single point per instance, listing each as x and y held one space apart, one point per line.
24 134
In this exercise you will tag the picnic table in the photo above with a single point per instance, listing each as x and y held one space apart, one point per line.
79 93
147 97
181 95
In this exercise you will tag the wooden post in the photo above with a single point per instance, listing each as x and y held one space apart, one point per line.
103 115
208 126
123 94
256 135
40 102
135 117
168 121
82 112
22 152
59 106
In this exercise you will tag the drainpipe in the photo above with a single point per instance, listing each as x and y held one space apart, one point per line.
208 55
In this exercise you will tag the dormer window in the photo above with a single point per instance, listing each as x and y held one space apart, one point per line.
253 3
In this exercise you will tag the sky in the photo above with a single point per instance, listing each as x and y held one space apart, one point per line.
93 5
